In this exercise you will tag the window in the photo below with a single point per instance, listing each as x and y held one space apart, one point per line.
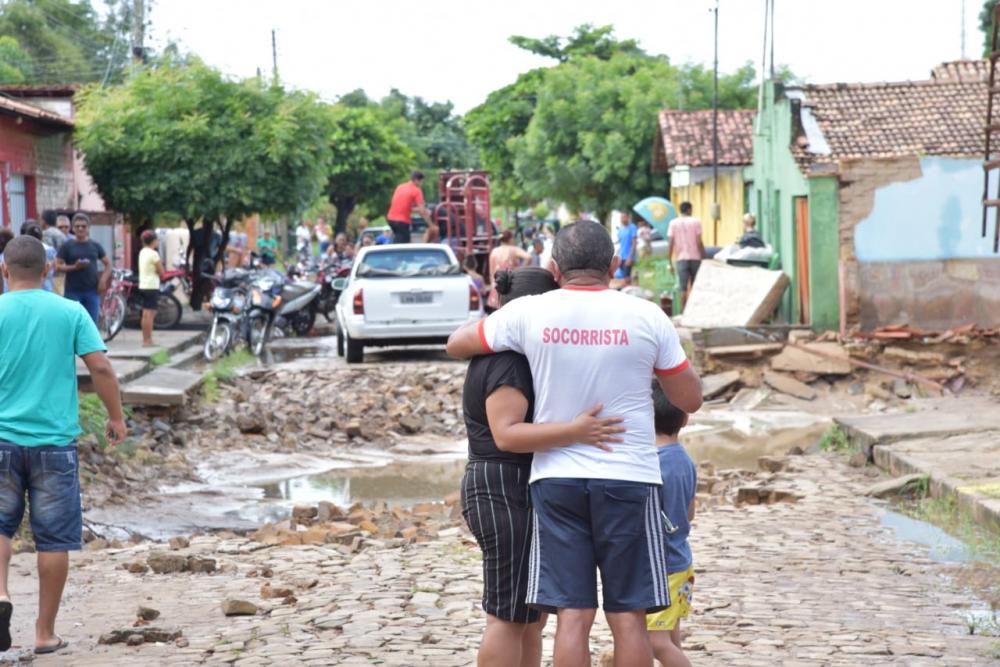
406 262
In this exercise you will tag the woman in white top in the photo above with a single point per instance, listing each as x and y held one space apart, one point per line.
150 270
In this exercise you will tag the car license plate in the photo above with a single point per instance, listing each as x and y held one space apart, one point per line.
416 297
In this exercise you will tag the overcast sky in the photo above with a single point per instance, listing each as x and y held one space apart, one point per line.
447 50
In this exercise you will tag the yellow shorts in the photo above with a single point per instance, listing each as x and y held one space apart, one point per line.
681 593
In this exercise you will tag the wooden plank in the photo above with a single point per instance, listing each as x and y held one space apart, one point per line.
756 350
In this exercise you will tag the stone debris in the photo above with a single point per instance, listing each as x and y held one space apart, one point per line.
796 359
146 634
147 613
896 486
178 543
238 608
164 562
789 385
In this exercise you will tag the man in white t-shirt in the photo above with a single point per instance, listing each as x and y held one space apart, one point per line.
594 510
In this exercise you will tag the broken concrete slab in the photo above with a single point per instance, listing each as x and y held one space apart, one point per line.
915 357
939 417
125 369
732 296
713 385
896 486
128 343
966 466
163 386
789 385
797 359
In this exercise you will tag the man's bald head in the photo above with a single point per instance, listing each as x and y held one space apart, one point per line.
24 258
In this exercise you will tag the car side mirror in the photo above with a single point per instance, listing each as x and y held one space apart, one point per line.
339 284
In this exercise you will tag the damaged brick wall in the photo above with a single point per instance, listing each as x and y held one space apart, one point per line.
913 261
860 179
54 172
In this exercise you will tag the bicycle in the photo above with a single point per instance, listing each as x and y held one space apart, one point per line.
114 305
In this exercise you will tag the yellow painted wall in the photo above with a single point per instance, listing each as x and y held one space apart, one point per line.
730 226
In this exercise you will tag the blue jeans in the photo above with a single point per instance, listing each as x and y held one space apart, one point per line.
89 299
50 476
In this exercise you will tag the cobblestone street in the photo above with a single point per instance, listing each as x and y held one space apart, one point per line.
817 582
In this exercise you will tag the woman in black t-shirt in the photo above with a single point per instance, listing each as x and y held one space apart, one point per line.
498 402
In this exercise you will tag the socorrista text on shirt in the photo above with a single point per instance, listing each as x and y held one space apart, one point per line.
568 336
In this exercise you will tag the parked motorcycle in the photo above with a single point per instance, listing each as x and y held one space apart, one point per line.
229 310
328 293
277 305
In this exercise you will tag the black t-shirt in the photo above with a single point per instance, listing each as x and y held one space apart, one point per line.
84 280
485 376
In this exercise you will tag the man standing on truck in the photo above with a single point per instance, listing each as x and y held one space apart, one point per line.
407 198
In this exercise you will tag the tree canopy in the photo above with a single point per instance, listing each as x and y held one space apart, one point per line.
66 41
186 140
367 161
586 40
986 25
15 63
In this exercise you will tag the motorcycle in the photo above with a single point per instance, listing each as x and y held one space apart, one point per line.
329 293
277 306
228 306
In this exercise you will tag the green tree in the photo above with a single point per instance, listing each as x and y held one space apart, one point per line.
368 160
585 41
69 41
589 139
986 25
495 125
185 140
15 63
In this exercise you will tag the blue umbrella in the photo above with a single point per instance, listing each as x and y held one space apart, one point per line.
658 212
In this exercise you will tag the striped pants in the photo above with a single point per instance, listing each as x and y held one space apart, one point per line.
496 505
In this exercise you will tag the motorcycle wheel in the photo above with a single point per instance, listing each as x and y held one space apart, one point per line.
112 316
219 338
326 307
304 322
168 312
257 333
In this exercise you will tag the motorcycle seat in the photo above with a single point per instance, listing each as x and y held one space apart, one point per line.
294 290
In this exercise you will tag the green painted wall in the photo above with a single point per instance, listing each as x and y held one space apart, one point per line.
777 181
824 252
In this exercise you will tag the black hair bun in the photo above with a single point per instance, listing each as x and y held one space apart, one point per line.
503 281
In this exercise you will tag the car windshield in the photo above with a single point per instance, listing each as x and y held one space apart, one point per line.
406 262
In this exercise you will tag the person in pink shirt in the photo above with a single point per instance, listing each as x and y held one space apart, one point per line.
684 239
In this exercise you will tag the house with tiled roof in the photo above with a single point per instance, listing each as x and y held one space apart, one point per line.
871 193
683 149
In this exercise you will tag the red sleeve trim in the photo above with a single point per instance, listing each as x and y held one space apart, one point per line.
482 335
672 371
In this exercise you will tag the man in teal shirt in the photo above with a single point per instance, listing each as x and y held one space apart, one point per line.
41 334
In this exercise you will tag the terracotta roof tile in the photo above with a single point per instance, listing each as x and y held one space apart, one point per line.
18 108
685 138
935 117
962 70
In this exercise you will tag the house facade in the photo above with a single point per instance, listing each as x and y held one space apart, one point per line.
36 162
683 149
871 193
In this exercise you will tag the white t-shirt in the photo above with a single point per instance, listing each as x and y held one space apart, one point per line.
302 236
587 346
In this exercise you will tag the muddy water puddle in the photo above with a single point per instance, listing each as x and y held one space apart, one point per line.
941 546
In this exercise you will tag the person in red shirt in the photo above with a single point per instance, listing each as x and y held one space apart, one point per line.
407 198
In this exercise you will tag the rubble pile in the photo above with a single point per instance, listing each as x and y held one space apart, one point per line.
883 367
353 527
303 409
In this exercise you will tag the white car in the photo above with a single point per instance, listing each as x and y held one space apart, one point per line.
405 294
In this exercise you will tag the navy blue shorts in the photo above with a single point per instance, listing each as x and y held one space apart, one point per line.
49 474
584 525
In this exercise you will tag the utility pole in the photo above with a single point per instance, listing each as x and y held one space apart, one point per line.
716 209
138 32
274 55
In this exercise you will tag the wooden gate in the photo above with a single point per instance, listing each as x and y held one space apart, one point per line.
802 256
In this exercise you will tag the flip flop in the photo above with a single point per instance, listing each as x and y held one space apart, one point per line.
53 648
6 611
